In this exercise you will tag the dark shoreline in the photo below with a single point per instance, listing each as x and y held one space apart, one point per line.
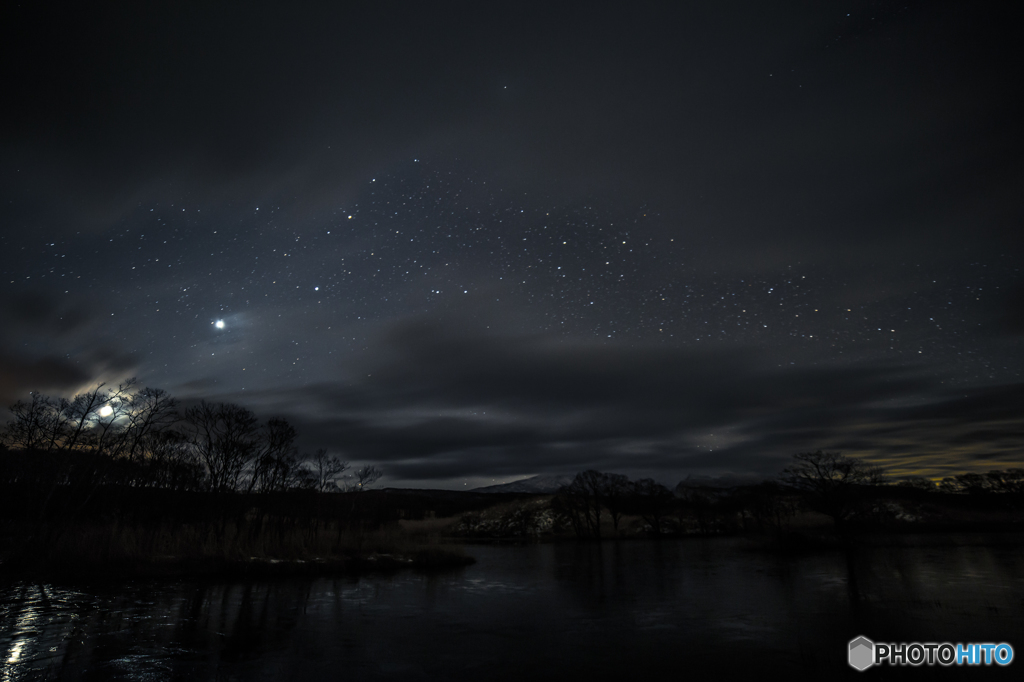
450 557
172 568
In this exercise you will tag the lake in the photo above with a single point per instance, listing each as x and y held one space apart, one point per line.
612 611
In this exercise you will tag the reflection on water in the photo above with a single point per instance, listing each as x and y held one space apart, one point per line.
612 610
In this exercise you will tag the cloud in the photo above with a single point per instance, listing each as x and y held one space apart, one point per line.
464 396
20 374
38 313
62 348
438 400
1010 312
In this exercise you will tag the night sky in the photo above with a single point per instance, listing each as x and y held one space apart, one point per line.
473 243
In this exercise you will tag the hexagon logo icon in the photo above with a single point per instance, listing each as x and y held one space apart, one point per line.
862 653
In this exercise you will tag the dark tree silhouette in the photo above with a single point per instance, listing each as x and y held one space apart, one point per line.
171 463
653 502
771 506
615 492
700 502
275 466
581 502
1007 481
83 423
40 424
918 483
124 463
149 412
327 470
225 438
366 476
832 483
569 505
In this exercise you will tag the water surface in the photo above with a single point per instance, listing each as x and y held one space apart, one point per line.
611 611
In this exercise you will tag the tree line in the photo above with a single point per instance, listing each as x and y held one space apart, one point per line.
134 462
846 489
140 438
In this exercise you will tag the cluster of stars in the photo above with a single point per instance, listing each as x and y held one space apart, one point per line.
423 241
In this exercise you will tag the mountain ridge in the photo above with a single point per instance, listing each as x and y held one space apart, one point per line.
542 483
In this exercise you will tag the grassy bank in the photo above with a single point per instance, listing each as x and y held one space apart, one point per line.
116 549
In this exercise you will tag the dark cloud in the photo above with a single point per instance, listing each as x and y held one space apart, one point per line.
1009 318
41 313
59 350
529 237
437 401
20 374
446 361
679 108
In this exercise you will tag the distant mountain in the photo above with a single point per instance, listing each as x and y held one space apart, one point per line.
536 484
550 483
724 481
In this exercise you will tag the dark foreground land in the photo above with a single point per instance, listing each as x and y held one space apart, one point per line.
118 482
138 533
726 583
130 532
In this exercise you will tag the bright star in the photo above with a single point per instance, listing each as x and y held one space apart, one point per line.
219 324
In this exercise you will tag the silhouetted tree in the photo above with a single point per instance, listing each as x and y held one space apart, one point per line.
327 470
522 518
700 503
1008 481
38 424
366 476
82 423
275 467
172 463
653 502
80 431
568 506
150 412
831 482
225 437
973 483
771 506
615 492
582 501
917 483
